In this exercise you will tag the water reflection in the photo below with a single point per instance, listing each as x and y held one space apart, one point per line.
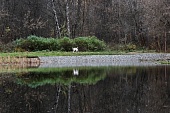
75 72
89 90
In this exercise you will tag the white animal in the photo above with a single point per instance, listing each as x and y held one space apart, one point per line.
75 49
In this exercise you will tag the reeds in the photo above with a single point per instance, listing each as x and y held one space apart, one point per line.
22 61
12 64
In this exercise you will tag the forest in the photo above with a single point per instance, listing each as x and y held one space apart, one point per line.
145 23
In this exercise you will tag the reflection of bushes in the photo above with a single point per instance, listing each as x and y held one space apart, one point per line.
87 75
63 76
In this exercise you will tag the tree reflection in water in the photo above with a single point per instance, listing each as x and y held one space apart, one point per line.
95 90
57 97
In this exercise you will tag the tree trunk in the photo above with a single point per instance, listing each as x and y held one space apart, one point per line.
57 98
68 18
57 27
165 42
69 99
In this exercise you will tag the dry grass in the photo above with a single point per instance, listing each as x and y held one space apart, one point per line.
23 61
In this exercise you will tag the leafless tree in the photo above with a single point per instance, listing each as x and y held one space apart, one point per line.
57 27
142 22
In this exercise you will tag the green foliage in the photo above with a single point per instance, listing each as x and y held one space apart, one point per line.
81 43
65 44
96 44
63 76
89 44
35 77
34 43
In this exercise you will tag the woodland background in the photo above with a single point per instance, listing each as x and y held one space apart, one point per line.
145 23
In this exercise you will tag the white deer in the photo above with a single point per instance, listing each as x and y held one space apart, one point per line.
75 49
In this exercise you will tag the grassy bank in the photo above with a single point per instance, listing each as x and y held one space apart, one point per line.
57 53
54 53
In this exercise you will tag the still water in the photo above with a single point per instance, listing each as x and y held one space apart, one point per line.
86 90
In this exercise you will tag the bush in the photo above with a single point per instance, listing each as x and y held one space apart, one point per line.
65 44
89 44
95 44
81 43
34 43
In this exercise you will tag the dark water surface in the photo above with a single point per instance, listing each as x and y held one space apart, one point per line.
86 90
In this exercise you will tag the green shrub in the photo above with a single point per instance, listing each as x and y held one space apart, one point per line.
95 44
34 43
89 44
81 43
65 44
52 44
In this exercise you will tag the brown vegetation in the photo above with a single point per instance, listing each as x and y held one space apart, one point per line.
19 62
143 22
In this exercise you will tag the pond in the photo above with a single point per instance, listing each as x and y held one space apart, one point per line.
110 89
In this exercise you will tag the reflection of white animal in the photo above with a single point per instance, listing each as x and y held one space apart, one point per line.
75 72
75 49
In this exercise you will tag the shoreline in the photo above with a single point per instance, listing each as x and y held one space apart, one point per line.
137 59
132 59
